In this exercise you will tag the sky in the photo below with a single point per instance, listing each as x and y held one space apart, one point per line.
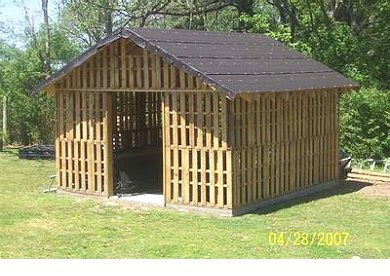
12 18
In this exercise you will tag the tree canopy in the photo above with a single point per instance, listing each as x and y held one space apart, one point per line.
350 36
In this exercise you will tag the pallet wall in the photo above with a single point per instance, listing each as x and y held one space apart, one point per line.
197 156
124 67
84 142
217 153
137 120
283 142
134 83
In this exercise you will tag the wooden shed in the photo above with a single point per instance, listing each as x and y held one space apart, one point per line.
226 121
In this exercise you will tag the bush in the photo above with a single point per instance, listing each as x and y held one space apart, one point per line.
365 123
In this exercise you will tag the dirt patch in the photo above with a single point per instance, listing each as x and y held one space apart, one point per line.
371 187
378 189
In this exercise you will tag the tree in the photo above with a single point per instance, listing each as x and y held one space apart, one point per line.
46 28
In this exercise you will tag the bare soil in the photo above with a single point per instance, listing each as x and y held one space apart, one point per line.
371 185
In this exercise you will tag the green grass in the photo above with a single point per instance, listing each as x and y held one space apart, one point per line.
38 225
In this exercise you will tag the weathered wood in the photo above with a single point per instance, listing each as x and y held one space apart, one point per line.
216 152
283 142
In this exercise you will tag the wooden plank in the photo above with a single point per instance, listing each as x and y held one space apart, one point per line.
138 89
91 171
215 121
78 185
191 126
69 137
213 180
195 182
220 166
165 75
146 69
84 137
99 137
249 130
91 64
62 153
208 120
182 120
90 145
293 160
138 74
203 176
158 72
107 141
115 69
175 146
200 132
131 70
229 179
123 68
58 141
185 185
166 148
104 68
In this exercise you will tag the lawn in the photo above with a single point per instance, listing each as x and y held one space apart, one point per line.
38 225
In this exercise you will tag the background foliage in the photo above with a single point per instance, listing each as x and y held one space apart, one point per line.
350 36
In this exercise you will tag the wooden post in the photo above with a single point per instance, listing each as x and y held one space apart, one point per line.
107 141
4 135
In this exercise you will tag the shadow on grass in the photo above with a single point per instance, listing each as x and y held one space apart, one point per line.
347 187
11 152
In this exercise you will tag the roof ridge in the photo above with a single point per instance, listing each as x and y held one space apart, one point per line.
178 63
153 40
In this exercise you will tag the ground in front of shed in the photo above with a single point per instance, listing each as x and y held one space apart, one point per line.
38 225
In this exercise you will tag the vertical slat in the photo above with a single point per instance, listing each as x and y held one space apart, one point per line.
175 145
146 69
199 120
229 177
259 143
293 161
195 181
220 179
60 157
184 151
249 149
91 138
98 140
203 177
191 126
213 180
115 69
107 141
166 149
157 72
208 120
138 69
58 140
131 71
69 136
237 153
77 140
166 75
123 68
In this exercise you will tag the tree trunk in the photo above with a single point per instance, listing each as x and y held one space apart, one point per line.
47 61
108 21
4 134
244 7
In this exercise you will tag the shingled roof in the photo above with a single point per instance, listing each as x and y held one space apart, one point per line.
231 62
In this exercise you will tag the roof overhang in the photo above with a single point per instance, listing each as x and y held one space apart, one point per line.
48 84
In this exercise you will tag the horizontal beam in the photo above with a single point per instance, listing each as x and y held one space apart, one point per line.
131 90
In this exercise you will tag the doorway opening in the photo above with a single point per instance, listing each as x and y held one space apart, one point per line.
137 147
